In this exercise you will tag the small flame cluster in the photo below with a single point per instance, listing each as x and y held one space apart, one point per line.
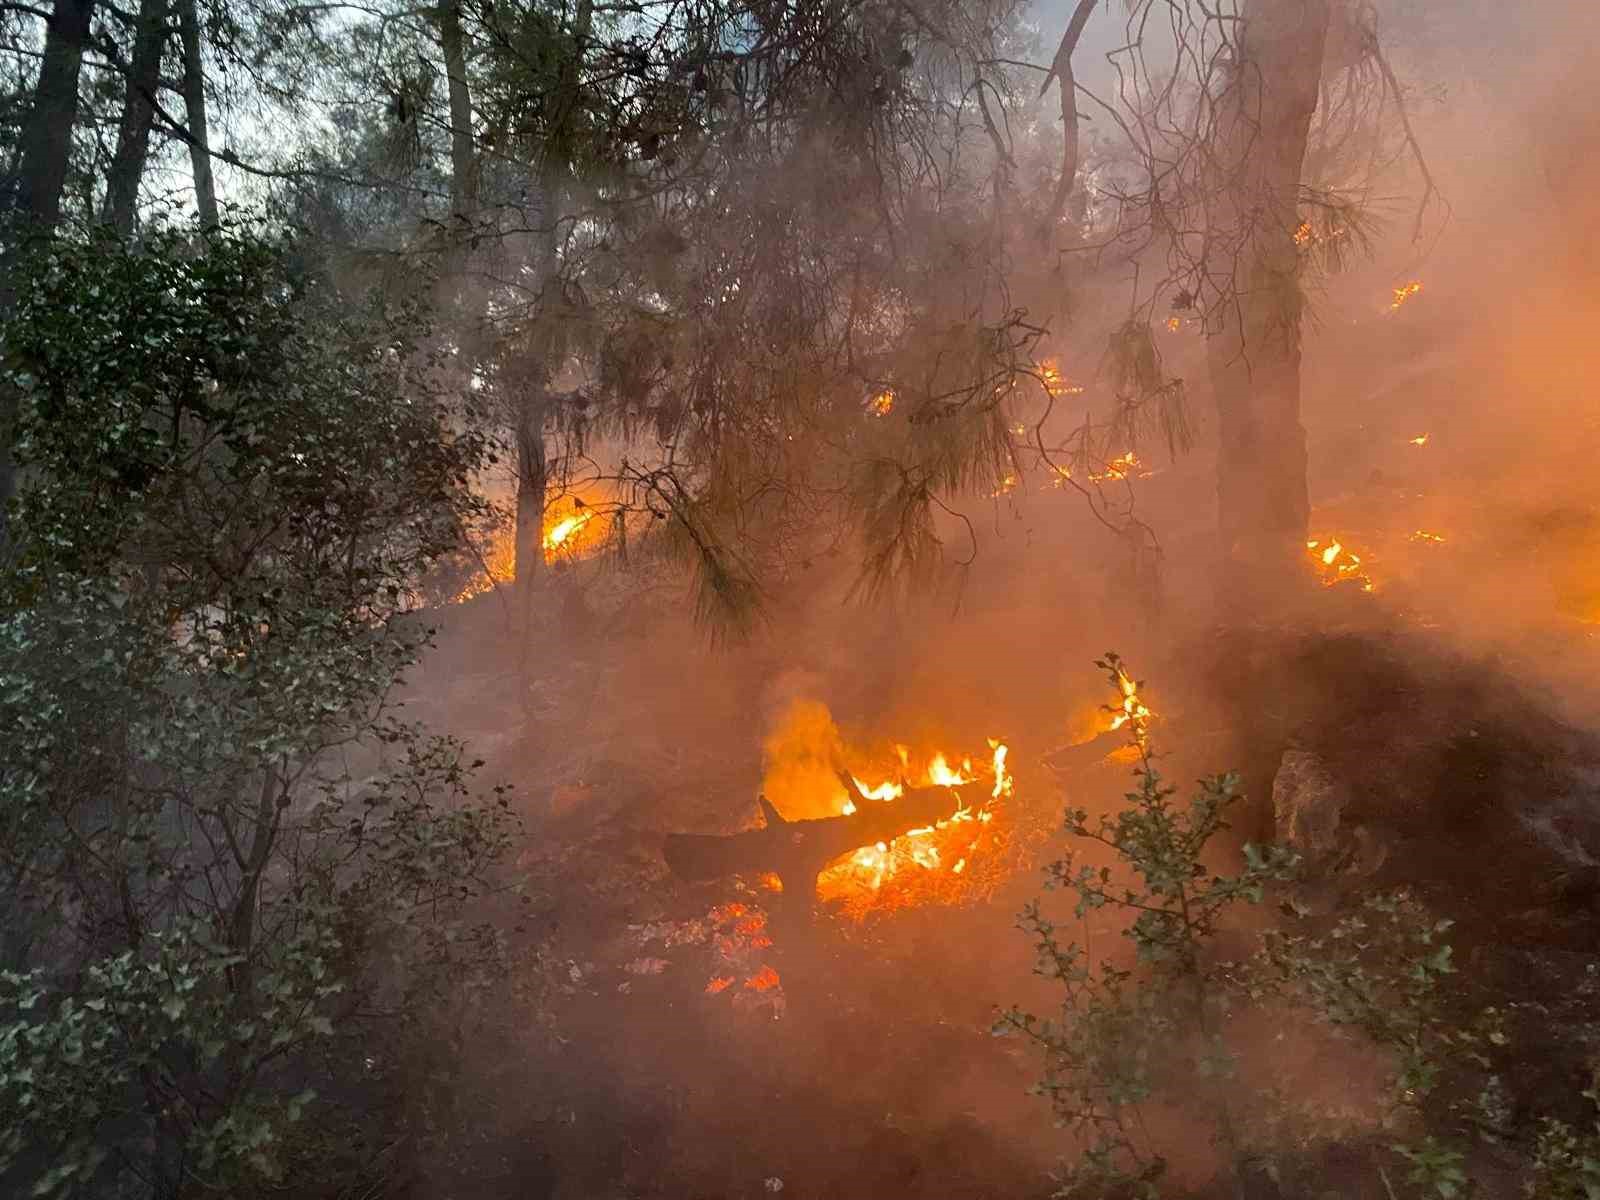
929 863
881 403
1338 564
1055 383
1124 466
1404 293
1131 713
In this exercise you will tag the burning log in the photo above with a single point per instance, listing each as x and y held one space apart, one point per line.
797 851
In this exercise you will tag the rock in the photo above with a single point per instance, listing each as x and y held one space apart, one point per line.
1308 802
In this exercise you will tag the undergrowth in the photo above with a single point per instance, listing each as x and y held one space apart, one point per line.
1158 1031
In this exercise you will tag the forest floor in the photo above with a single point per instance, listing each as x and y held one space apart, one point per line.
871 1072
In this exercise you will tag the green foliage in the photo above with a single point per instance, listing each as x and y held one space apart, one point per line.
1566 1163
1434 1169
1128 1035
226 867
1379 971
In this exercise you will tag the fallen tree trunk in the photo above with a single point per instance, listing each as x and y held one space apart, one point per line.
797 851
1086 754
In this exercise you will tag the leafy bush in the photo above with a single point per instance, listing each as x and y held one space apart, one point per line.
1121 1039
228 869
1153 1031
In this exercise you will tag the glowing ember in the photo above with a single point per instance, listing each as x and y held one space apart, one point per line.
1008 484
1338 564
882 403
1422 535
736 947
1303 235
1174 324
1403 293
763 980
1420 440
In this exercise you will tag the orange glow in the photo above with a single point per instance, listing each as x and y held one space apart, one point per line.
1420 440
1174 324
1422 535
882 403
719 983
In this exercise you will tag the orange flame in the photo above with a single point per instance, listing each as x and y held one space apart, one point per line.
868 871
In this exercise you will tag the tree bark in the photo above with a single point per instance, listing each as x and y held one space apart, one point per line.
35 191
532 480
47 136
194 102
1254 345
138 115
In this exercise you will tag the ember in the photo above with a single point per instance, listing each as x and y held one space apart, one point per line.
882 403
1420 440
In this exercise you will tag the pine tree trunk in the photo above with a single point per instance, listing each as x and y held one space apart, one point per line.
1254 347
47 136
138 114
35 192
194 102
532 480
